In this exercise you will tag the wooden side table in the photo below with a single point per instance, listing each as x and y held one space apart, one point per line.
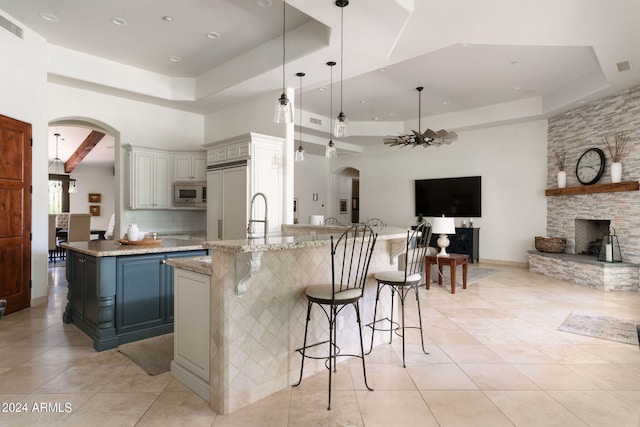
453 260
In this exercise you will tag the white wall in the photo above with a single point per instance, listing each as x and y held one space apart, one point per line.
99 180
23 81
511 160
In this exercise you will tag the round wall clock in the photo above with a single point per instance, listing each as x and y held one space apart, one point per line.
590 166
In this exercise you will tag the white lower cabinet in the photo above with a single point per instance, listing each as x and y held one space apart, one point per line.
192 335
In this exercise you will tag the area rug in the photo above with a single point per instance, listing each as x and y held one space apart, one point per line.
154 355
605 327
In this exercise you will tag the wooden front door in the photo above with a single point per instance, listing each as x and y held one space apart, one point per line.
15 213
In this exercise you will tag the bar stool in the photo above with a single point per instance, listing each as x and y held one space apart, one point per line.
403 282
350 257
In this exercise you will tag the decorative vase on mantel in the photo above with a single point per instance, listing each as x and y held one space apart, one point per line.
616 172
562 179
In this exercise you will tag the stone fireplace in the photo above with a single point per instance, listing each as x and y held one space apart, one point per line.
584 217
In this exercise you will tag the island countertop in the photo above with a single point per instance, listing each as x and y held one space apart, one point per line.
279 242
105 248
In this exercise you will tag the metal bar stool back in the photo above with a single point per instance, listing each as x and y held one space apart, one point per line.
402 282
350 258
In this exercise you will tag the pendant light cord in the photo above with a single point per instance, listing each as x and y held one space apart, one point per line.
419 108
341 52
300 110
331 64
284 46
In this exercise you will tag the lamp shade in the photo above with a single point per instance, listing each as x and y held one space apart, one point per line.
442 225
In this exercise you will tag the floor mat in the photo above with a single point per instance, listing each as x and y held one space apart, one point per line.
605 327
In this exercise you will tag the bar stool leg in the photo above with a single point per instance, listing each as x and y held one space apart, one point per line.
401 297
415 288
304 345
364 369
375 312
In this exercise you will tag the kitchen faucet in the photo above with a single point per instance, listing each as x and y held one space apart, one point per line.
251 220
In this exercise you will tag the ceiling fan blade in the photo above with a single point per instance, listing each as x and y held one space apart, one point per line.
430 134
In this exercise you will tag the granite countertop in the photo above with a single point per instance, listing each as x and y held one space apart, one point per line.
103 248
277 243
198 264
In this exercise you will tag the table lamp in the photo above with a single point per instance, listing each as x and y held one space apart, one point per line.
443 226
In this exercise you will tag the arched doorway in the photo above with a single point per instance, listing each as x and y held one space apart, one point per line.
346 188
91 149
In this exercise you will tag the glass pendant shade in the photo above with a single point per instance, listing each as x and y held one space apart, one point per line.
331 152
299 156
72 187
283 113
342 126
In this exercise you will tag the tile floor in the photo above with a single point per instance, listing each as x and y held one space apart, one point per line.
496 359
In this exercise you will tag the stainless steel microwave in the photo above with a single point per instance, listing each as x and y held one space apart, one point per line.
190 194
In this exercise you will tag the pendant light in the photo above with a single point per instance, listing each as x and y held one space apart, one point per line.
299 157
331 151
283 112
57 174
342 123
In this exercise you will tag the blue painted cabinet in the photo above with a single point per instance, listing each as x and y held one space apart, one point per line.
120 299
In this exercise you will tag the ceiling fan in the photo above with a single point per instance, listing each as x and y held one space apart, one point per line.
426 139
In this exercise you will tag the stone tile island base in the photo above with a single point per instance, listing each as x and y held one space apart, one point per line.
586 270
256 327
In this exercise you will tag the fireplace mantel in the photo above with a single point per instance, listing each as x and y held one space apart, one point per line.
594 188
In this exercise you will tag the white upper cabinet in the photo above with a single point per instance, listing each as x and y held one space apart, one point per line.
149 179
150 175
190 167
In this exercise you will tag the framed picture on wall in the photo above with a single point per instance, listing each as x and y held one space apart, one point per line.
94 210
343 206
95 197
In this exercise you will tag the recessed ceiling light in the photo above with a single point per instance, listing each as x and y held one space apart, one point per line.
212 35
445 102
517 87
49 17
322 88
363 102
167 18
175 59
383 69
375 118
264 3
121 22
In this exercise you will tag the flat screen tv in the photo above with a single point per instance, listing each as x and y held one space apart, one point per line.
451 197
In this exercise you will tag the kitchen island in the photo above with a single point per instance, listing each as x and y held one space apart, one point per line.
122 293
240 313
